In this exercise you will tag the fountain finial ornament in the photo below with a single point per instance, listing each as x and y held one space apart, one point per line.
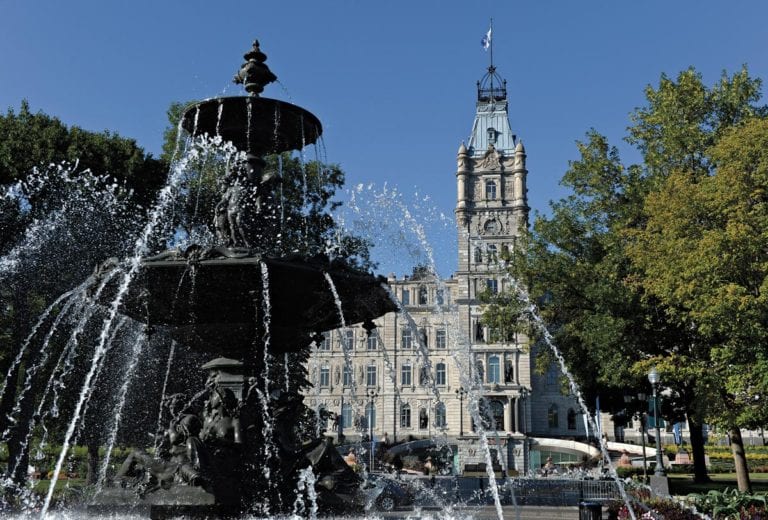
254 74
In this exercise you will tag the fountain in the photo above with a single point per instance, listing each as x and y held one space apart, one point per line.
238 452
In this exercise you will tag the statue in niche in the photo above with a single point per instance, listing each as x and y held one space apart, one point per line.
336 375
491 159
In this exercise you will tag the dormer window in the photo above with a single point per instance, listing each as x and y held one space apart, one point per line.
491 135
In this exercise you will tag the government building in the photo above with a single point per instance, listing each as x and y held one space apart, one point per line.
433 370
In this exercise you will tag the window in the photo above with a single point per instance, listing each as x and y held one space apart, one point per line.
493 370
346 416
406 300
492 253
440 421
423 419
325 377
480 371
325 343
491 135
440 374
347 376
571 419
509 372
348 339
441 340
370 375
370 415
490 190
492 285
440 296
405 375
423 293
478 255
373 340
405 416
407 339
552 418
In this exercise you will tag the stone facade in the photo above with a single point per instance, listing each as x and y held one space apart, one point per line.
422 371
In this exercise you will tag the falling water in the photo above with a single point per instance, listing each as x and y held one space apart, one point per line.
305 485
138 345
165 199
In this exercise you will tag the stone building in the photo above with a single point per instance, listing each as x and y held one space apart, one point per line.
433 369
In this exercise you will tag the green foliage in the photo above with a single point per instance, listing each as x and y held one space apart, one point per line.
726 504
30 140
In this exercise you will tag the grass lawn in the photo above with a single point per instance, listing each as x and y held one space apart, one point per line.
682 484
62 486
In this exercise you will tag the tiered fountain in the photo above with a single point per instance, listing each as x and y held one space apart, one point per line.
235 450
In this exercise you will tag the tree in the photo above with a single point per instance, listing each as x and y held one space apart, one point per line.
703 254
610 326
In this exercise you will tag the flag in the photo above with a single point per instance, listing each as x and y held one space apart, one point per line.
486 41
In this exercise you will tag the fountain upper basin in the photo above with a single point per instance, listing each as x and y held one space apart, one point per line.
254 124
218 305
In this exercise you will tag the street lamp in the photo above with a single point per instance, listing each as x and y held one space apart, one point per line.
461 393
653 378
642 416
372 395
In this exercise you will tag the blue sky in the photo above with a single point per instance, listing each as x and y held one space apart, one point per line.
392 81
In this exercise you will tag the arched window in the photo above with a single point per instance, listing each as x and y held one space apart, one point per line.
494 369
552 418
440 374
405 416
423 295
491 135
493 253
346 416
571 419
370 415
440 421
478 255
423 419
490 190
497 414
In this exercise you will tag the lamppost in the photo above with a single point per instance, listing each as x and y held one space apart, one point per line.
372 395
461 393
653 378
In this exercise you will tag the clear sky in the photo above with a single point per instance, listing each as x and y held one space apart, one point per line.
393 82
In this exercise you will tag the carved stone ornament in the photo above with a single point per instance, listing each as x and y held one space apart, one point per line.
492 227
491 160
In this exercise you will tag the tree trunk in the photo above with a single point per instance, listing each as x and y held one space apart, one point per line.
93 463
739 460
695 428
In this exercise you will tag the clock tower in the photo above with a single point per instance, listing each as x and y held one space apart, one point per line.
491 212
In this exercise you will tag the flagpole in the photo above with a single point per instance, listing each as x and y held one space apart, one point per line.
491 42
